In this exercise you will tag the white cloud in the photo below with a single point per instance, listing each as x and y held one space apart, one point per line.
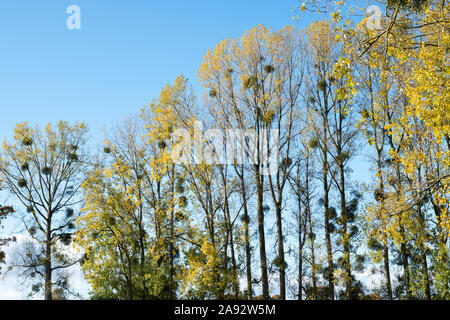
11 289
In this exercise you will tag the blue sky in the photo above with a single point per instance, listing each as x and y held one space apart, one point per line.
123 54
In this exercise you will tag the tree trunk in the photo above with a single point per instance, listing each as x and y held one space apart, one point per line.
327 226
281 253
262 241
300 251
313 260
142 245
387 272
345 235
229 228
233 257
172 238
247 239
311 234
142 263
403 250
423 253
425 271
404 254
442 238
48 264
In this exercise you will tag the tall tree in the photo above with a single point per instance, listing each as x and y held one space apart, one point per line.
259 76
112 230
322 53
44 171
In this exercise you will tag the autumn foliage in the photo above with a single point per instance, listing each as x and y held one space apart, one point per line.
146 220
